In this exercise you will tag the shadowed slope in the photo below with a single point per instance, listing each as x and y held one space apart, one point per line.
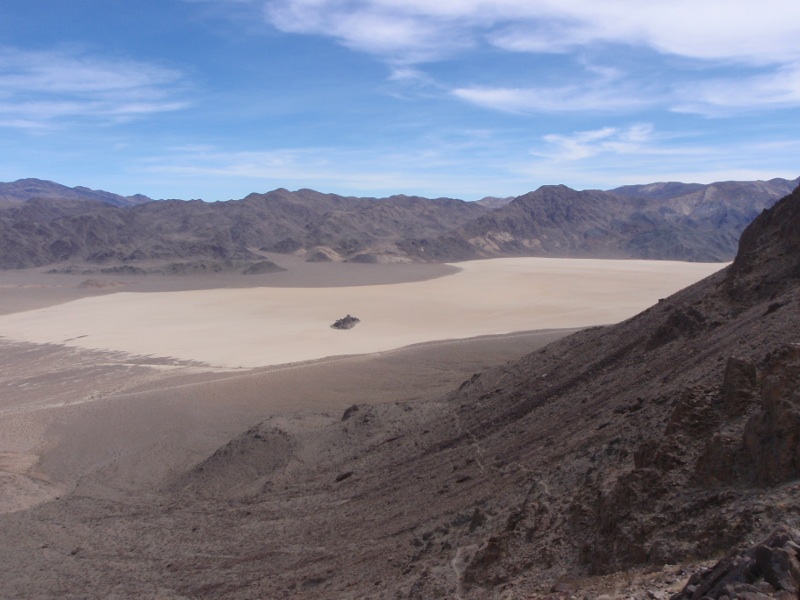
663 437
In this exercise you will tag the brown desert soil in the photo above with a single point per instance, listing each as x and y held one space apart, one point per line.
67 413
125 476
110 430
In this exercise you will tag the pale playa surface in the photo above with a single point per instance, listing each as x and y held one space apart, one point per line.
267 326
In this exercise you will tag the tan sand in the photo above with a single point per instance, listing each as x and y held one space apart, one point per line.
266 326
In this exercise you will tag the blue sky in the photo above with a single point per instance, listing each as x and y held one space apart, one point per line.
215 99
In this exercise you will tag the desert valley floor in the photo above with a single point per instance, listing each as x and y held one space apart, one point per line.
112 388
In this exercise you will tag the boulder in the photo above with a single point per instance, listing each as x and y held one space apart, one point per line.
347 322
767 570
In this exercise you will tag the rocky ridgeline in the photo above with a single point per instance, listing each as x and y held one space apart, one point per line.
42 223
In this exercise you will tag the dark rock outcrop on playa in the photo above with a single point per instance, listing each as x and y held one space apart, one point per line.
347 322
56 224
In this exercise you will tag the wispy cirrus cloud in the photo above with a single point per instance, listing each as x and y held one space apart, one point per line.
706 33
725 96
420 30
400 35
573 98
710 96
607 140
41 90
639 153
728 30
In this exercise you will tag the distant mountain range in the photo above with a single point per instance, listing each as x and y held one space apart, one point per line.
44 223
27 189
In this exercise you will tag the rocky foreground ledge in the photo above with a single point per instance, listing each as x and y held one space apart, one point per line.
767 570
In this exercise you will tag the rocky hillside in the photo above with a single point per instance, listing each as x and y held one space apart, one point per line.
64 226
671 436
323 227
662 221
559 221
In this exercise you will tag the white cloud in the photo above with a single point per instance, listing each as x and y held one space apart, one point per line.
738 30
591 97
43 89
404 73
607 140
720 97
409 30
612 91
704 34
608 157
399 35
